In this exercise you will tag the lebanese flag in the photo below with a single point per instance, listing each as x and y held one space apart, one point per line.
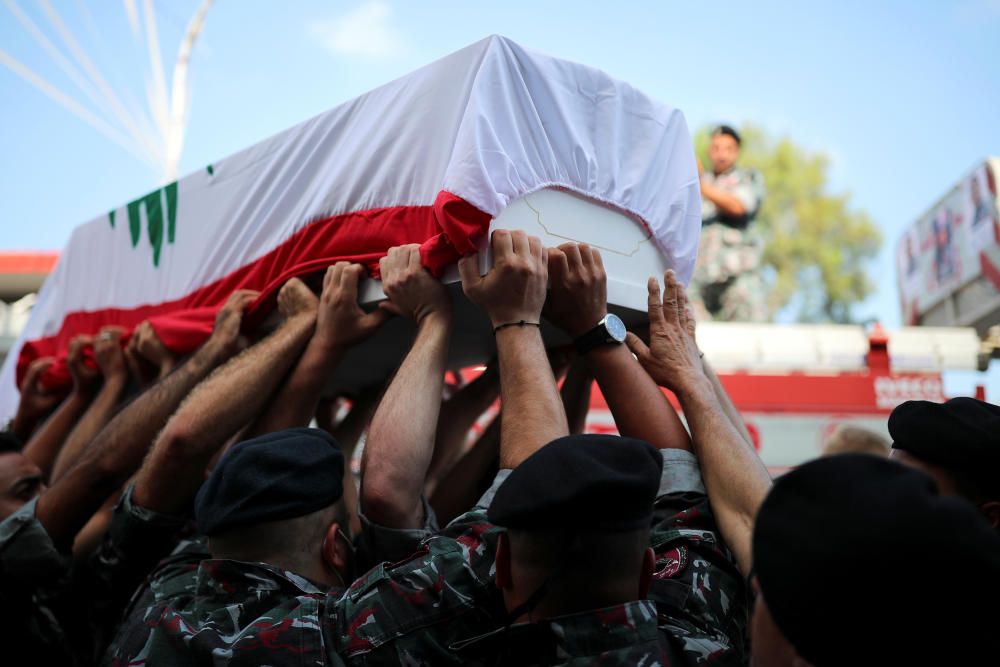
430 158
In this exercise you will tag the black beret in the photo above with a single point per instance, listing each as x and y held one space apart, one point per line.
961 436
861 562
276 476
582 482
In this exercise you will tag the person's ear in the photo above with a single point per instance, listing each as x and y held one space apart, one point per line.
504 580
646 573
992 511
333 555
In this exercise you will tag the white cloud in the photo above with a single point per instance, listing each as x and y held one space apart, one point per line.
366 31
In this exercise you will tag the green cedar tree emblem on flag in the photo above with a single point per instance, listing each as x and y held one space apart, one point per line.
161 218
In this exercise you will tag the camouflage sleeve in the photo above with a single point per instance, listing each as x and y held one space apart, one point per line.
378 543
750 191
701 597
681 473
410 612
137 539
27 553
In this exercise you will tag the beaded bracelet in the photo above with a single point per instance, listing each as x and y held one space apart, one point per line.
521 323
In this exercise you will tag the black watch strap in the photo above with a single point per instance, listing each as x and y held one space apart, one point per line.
594 338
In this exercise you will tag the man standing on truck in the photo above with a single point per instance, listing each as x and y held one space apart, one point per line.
726 284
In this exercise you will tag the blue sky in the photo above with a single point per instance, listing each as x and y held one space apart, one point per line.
904 96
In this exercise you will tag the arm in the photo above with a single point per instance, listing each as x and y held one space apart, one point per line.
111 361
458 414
578 303
147 357
221 405
735 478
36 402
44 446
575 393
119 448
347 434
727 404
513 291
464 483
726 202
401 436
340 323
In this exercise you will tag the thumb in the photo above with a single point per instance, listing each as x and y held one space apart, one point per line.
637 347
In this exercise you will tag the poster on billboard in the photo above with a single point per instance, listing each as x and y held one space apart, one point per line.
953 243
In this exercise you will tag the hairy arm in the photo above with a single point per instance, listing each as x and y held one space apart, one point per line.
118 450
727 404
340 323
578 302
401 436
735 477
111 361
222 404
514 291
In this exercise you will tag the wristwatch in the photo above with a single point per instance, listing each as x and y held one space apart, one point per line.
610 330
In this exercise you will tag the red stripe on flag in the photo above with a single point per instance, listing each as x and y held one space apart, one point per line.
446 231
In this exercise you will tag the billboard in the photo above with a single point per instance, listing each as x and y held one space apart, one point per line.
954 243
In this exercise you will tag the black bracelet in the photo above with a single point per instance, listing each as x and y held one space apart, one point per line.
521 323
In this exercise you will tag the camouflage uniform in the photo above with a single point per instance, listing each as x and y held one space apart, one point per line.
726 284
441 607
34 577
63 610
199 610
230 612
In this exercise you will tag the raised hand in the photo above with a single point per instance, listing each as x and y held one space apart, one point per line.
295 298
108 353
145 349
85 378
579 288
413 292
672 358
340 321
514 289
225 338
36 400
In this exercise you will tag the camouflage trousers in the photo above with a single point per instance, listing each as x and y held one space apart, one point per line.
738 299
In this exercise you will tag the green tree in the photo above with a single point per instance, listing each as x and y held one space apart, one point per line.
817 247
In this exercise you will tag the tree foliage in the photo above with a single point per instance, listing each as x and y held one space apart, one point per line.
817 247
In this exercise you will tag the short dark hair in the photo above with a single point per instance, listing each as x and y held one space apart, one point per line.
729 132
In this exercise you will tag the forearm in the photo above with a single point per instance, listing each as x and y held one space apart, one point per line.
217 408
118 450
100 412
735 477
727 404
458 415
533 414
44 446
401 437
461 487
726 202
296 403
638 405
575 394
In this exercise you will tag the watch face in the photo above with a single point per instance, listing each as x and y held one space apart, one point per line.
616 328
